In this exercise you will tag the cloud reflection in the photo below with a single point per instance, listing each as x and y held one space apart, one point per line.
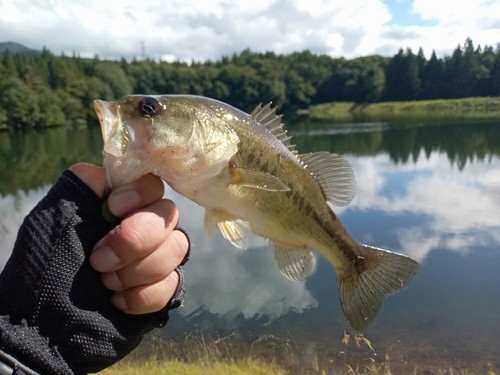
227 281
460 207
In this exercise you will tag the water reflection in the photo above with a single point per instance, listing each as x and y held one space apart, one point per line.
29 164
227 281
34 159
450 207
13 209
403 142
412 208
427 190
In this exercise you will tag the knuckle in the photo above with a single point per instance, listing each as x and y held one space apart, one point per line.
153 297
150 300
147 271
178 245
172 283
132 238
169 211
146 299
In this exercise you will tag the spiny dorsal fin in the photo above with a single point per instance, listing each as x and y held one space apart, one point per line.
267 117
334 174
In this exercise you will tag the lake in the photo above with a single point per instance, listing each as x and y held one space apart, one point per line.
427 189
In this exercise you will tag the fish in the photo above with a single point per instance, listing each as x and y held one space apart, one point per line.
244 170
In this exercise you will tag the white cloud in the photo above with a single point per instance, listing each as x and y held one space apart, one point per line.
448 12
416 243
456 21
200 30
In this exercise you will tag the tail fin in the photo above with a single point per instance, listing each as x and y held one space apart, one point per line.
377 274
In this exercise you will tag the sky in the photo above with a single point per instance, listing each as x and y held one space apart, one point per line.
201 30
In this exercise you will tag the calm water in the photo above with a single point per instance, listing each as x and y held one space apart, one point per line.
430 190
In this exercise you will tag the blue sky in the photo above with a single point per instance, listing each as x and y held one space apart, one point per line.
403 14
209 29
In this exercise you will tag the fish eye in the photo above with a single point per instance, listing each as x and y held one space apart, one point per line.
150 107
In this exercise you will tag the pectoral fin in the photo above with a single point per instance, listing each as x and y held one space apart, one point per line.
295 263
257 179
234 230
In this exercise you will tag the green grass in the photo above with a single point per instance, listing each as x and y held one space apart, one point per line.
471 107
203 355
197 354
254 367
175 367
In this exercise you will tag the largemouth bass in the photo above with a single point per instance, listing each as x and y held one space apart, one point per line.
243 169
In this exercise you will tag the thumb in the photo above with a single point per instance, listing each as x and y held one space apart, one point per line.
93 176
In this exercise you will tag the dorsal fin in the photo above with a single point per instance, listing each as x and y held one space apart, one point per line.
267 117
334 174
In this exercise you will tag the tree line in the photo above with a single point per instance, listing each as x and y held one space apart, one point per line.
29 160
47 90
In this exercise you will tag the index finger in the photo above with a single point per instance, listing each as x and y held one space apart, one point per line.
137 194
135 237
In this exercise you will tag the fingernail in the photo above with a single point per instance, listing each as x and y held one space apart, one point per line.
121 203
105 259
119 302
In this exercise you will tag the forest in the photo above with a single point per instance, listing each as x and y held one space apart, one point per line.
44 90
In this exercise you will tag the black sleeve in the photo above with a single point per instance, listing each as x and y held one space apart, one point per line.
56 316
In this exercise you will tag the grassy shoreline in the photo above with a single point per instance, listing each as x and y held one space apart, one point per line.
252 366
199 354
468 107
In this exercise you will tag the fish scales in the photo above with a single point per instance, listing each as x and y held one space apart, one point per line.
307 208
317 209
272 161
244 171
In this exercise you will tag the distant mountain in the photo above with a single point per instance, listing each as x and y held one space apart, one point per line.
17 48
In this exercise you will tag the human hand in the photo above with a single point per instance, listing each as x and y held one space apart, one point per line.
138 257
82 307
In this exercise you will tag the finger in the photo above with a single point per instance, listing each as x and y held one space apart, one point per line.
137 194
92 175
149 298
154 267
135 237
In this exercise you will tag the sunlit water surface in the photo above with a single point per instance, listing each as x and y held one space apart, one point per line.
430 190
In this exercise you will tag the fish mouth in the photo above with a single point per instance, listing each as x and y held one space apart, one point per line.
106 118
114 133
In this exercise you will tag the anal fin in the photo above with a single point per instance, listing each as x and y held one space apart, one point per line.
294 262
